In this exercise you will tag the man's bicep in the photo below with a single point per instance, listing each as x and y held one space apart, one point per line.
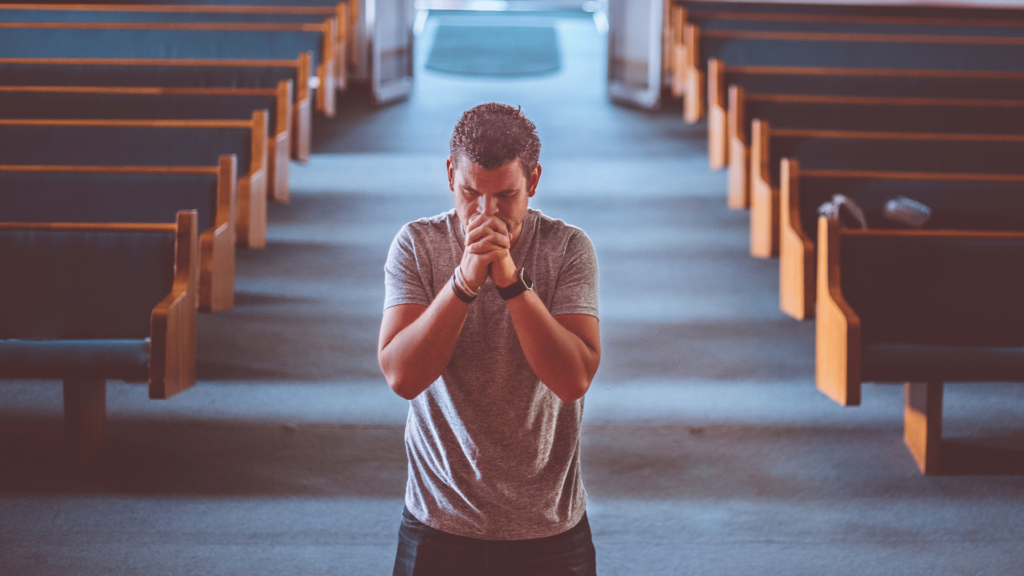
396 319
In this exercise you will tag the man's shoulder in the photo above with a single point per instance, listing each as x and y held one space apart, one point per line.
430 227
556 230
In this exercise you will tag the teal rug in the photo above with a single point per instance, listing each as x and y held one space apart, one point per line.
495 50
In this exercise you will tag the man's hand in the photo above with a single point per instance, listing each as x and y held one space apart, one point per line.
487 253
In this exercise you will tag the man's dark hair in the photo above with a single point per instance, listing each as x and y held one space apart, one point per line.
492 135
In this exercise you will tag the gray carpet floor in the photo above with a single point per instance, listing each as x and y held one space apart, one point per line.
707 449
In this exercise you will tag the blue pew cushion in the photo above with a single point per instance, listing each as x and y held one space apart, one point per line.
911 362
107 359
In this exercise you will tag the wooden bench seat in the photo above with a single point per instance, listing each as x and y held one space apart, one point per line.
958 202
861 113
86 303
173 40
87 102
173 74
153 143
920 307
854 150
144 194
194 13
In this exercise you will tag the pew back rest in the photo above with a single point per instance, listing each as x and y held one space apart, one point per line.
181 42
931 288
127 143
128 13
86 284
876 82
896 152
941 54
137 103
955 205
107 196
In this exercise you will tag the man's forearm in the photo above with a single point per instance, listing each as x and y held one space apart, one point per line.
415 357
563 360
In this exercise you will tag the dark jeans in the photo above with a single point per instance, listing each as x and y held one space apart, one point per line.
425 551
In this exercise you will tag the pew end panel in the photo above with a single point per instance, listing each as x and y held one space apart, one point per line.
252 189
764 197
217 245
718 129
837 352
173 322
739 150
280 145
693 105
341 47
796 249
326 92
677 50
302 114
279 148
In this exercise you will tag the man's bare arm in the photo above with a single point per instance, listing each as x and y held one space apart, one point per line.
564 351
417 342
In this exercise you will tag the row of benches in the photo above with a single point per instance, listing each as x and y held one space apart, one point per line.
141 145
874 102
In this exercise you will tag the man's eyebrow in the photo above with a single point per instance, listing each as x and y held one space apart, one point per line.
471 189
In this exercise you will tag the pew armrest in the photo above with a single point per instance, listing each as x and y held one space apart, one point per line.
837 329
172 365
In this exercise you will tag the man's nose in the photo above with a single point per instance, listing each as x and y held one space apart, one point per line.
488 205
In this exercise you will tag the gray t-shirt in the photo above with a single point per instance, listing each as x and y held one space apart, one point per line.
494 453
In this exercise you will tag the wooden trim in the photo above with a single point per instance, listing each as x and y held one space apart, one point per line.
341 47
796 249
764 197
205 26
739 148
837 327
856 19
217 244
197 8
172 362
880 72
693 106
90 227
718 144
302 116
936 176
885 100
211 62
110 169
863 37
922 424
867 135
143 90
326 92
130 123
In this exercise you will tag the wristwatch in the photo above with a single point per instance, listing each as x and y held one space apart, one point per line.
521 285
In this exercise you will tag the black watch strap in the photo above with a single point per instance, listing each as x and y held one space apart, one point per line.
516 288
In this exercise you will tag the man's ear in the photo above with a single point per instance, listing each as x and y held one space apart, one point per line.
534 179
450 167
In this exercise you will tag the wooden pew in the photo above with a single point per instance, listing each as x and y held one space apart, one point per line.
861 113
144 194
958 201
290 14
175 73
87 303
109 103
842 50
819 18
920 307
154 143
855 150
177 40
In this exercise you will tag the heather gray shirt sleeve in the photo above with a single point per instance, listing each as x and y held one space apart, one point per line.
576 284
407 272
